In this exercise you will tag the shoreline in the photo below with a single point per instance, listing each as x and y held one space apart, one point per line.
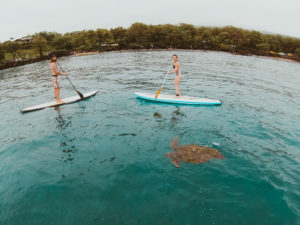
192 50
11 64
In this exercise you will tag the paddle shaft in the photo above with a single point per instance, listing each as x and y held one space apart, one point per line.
78 92
166 75
158 92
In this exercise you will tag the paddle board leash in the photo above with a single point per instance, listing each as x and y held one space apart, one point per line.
78 92
158 92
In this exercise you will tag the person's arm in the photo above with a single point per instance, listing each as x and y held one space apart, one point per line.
62 74
58 73
55 70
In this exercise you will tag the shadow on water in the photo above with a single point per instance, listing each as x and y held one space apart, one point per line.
157 115
127 134
170 120
69 150
176 115
108 160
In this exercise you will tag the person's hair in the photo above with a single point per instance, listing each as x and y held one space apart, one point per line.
175 55
53 60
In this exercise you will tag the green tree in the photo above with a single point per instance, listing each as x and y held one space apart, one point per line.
157 35
40 44
226 38
170 33
202 37
12 47
78 40
289 44
92 40
214 40
263 48
62 42
103 36
255 38
2 53
138 33
297 52
119 35
234 36
49 36
186 35
274 42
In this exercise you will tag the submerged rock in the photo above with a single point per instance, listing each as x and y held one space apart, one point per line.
192 153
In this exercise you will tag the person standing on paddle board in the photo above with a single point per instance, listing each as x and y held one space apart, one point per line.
55 80
176 67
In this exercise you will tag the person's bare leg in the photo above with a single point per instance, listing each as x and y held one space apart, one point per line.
177 80
56 92
58 98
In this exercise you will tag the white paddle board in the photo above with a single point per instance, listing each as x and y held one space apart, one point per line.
68 100
178 99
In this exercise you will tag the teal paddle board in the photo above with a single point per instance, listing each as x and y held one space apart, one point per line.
178 99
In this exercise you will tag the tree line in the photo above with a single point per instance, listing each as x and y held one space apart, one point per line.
142 36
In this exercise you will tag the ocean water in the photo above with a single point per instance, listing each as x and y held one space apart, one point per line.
102 160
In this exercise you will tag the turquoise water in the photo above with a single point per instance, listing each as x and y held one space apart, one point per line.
102 161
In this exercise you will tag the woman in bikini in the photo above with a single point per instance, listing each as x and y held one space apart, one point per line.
176 67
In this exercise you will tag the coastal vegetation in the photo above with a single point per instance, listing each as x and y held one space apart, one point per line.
141 36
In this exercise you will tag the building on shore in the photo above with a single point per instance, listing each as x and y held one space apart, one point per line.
25 40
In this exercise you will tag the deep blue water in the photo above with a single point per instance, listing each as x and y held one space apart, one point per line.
102 161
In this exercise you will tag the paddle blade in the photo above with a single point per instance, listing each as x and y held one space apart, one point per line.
157 93
81 95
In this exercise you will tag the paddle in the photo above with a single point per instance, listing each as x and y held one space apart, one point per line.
78 92
158 92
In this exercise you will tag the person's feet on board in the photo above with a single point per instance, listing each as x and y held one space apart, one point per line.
59 101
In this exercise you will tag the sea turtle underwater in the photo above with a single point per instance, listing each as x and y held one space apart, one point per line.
192 153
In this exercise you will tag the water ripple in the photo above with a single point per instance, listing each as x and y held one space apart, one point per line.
87 162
